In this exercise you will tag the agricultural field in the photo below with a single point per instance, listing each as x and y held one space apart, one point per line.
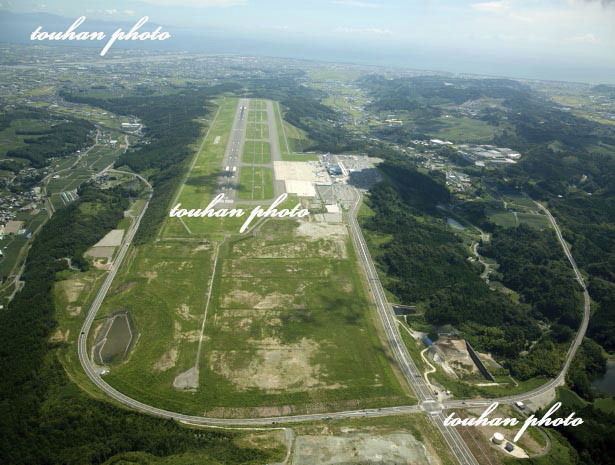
255 183
503 218
11 248
462 129
517 210
11 245
256 152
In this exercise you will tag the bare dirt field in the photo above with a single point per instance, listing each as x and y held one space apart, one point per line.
72 288
274 366
167 361
12 227
360 448
112 239
100 252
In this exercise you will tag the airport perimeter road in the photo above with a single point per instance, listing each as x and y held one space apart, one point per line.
427 401
410 371
574 347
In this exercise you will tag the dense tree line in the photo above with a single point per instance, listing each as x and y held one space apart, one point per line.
592 440
568 162
602 323
45 418
424 99
532 264
428 264
408 93
62 138
586 366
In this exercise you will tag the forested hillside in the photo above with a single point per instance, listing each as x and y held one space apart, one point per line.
429 265
61 137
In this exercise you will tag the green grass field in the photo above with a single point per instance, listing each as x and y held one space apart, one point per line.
503 218
257 104
511 219
462 129
10 254
256 152
257 131
255 183
536 221
199 187
289 327
607 405
257 116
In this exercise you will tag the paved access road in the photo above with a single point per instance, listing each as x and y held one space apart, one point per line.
409 369
574 347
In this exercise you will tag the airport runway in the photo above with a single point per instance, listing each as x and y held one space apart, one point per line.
233 164
228 180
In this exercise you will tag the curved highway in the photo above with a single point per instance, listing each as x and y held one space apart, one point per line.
427 402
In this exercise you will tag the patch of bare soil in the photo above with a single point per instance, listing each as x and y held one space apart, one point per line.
167 361
150 275
72 310
315 231
343 283
239 298
188 380
184 313
274 366
190 336
72 288
125 287
161 264
275 300
103 264
360 448
200 248
59 336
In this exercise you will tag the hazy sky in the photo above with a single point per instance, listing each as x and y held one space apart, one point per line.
477 36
